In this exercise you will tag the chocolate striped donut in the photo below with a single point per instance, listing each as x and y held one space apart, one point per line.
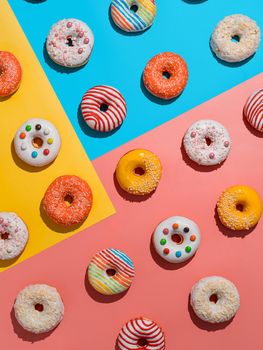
141 333
110 272
103 108
133 15
253 110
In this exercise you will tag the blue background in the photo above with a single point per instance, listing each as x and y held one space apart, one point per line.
118 59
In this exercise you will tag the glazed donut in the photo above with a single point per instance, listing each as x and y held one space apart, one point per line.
215 299
166 75
70 42
207 142
239 27
68 200
10 73
37 142
138 172
13 235
103 108
110 272
39 308
133 15
253 110
239 207
141 333
176 239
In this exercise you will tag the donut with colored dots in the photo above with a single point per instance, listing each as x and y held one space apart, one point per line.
37 142
176 239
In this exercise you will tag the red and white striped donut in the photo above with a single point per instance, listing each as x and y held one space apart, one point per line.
253 110
103 108
141 333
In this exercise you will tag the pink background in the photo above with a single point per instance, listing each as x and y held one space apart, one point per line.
159 291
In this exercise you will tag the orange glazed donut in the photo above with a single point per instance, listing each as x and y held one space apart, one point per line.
165 75
10 73
68 200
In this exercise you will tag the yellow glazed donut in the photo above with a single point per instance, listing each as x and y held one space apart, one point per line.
139 172
239 207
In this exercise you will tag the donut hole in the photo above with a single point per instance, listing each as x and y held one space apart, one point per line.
69 41
68 199
166 75
37 142
134 8
4 235
235 38
240 207
39 307
104 107
111 272
176 238
142 342
208 141
213 298
139 171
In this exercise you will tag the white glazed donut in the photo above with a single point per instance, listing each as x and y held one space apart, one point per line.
215 299
176 239
239 27
253 110
13 235
70 42
207 142
39 308
103 108
37 142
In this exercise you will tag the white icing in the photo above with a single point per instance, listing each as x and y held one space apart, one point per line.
175 248
196 146
24 147
81 40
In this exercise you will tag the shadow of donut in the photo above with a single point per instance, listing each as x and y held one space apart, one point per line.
59 68
194 2
166 264
209 327
52 225
25 335
123 32
35 1
231 233
98 297
128 196
90 132
194 165
251 128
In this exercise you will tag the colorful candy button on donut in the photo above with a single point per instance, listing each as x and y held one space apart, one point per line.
133 15
176 239
37 142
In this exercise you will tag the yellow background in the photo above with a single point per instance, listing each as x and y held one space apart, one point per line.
22 187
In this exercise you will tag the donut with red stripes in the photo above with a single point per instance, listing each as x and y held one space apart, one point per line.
141 333
103 108
253 110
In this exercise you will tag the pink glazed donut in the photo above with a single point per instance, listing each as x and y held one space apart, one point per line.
70 42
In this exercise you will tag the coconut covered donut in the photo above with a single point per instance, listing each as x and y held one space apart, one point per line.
235 38
207 142
176 239
253 110
70 43
37 142
13 235
215 299
39 308
133 15
141 333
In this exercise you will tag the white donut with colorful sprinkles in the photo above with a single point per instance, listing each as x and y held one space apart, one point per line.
207 142
176 239
37 142
70 42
